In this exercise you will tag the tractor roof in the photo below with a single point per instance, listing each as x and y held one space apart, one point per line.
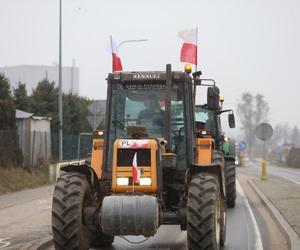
141 76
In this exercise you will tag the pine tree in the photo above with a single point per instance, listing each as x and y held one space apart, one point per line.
9 150
20 97
44 102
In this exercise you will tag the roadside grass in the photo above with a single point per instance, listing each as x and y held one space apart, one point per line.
15 179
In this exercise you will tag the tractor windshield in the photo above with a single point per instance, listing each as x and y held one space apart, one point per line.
206 117
144 104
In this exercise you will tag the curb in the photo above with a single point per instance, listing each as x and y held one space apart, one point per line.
292 238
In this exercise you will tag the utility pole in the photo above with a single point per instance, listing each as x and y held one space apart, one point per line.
72 76
60 110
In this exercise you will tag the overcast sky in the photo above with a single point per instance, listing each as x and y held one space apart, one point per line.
245 45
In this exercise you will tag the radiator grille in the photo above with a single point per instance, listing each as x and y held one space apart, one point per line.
125 157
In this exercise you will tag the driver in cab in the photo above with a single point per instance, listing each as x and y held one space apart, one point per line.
152 117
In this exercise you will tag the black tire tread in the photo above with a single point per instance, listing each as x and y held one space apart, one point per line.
203 191
68 229
230 179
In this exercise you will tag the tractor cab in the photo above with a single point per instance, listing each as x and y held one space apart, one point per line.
147 108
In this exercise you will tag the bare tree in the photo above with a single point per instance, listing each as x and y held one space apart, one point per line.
262 109
282 134
252 110
295 136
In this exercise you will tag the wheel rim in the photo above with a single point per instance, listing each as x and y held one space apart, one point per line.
218 220
223 225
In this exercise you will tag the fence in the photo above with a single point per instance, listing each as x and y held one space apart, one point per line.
33 149
74 146
10 153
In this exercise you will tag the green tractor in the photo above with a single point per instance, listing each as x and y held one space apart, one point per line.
208 118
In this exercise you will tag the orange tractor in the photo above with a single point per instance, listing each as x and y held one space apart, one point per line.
149 167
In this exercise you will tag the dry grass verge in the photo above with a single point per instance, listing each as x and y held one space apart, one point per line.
15 179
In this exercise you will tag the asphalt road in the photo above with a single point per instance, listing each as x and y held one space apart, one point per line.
242 232
26 219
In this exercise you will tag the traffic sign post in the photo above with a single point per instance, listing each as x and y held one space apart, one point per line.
96 113
264 132
243 147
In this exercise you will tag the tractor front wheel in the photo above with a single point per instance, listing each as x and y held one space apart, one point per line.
71 194
204 213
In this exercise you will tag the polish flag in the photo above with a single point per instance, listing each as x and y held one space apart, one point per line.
135 170
189 47
116 61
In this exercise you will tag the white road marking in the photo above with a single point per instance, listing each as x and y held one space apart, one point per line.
258 241
4 243
248 230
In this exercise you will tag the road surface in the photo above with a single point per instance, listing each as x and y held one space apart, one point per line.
26 219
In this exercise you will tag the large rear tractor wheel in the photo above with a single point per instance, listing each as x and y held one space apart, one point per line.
204 213
232 151
71 194
230 183
218 157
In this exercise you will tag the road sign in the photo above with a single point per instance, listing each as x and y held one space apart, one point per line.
97 106
94 120
264 131
96 113
243 145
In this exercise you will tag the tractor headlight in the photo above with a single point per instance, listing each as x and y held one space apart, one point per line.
145 181
122 181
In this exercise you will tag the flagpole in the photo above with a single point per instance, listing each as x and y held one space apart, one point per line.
132 185
196 63
196 48
111 49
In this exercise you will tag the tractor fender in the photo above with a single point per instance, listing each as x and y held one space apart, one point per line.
87 171
214 169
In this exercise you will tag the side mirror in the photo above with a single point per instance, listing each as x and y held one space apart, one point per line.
231 120
213 96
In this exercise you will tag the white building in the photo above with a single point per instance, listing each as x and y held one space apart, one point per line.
32 74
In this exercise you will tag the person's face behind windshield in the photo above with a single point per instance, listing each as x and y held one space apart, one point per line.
152 105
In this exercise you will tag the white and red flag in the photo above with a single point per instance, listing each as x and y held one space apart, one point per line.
116 60
135 171
189 48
